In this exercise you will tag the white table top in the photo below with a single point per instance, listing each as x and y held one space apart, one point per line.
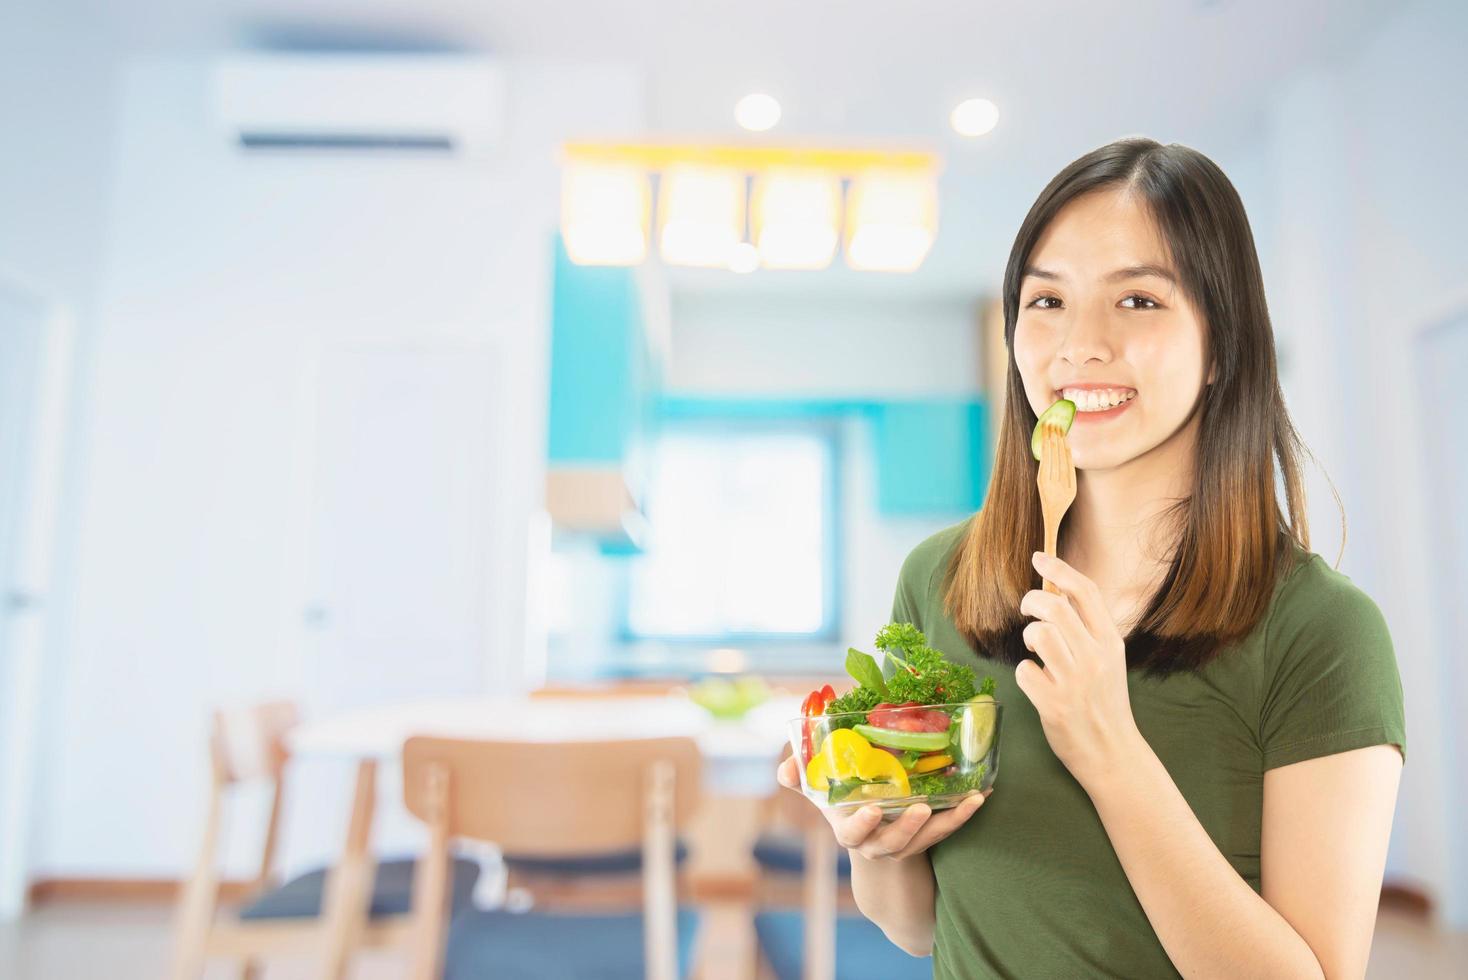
379 732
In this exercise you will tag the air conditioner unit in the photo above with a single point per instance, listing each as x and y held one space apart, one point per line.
451 104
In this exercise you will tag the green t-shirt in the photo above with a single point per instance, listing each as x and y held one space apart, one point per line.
1031 886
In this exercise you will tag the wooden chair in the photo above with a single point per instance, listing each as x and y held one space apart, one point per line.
315 913
556 800
825 937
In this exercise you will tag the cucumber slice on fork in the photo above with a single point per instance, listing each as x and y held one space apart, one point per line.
1060 415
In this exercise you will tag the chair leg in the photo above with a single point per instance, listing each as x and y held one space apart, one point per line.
431 884
200 895
660 900
820 902
347 897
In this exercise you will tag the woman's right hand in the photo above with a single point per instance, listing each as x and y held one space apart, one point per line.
862 830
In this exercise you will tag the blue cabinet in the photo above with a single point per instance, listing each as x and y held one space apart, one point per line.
603 382
601 371
933 456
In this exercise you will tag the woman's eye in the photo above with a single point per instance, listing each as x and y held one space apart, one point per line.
1134 302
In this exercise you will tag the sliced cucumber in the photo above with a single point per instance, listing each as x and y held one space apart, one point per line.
976 729
1062 413
916 741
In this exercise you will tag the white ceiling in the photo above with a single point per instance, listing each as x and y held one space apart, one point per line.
1067 76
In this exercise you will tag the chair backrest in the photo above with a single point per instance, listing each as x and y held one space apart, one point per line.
250 743
550 798
245 744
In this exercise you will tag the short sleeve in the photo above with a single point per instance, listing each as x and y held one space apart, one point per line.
1335 685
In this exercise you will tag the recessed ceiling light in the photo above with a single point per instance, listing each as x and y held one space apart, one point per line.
757 112
974 117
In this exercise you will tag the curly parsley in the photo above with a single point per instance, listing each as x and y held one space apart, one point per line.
939 785
922 675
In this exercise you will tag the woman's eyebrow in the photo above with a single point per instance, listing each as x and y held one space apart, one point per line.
1130 272
1140 271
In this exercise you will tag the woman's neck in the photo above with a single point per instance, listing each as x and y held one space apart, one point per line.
1113 534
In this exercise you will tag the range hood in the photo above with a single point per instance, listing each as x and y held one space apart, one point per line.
596 500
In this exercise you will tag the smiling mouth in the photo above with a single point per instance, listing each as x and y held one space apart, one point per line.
1098 399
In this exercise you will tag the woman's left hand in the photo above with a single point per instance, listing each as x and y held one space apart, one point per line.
1081 692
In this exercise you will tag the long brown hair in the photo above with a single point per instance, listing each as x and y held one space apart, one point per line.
1233 537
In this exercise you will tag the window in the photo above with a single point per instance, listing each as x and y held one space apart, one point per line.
742 539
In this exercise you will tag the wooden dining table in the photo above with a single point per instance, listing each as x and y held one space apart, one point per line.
739 762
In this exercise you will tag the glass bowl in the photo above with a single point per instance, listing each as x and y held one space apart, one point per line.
897 756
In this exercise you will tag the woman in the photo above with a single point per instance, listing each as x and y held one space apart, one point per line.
1204 732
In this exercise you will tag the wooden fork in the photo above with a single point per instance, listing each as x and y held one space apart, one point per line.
1057 483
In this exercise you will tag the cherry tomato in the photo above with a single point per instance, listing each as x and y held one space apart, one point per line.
814 705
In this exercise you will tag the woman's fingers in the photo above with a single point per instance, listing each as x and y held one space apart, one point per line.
895 836
941 825
913 832
1058 611
852 830
1044 640
788 775
1081 590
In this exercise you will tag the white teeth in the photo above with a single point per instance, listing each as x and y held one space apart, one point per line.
1097 400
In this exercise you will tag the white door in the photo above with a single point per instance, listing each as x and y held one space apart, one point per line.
33 362
400 525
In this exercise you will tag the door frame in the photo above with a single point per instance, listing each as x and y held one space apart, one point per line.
23 616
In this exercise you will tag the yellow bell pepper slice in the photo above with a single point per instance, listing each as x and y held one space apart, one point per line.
932 763
815 773
846 755
884 765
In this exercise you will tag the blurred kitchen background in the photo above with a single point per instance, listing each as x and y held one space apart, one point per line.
316 385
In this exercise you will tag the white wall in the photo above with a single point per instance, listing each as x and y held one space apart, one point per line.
219 275
56 73
1366 164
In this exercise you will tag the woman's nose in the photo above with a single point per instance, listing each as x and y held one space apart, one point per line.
1086 340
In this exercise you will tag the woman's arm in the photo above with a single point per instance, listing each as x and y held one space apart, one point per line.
1323 850
1326 823
898 897
891 876
1324 836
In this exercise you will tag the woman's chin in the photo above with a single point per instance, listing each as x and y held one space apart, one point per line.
1094 459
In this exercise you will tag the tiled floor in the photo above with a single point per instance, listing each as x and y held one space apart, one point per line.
130 942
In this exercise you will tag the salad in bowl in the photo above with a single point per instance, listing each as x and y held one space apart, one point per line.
925 734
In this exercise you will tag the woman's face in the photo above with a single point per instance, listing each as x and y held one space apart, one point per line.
1104 322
